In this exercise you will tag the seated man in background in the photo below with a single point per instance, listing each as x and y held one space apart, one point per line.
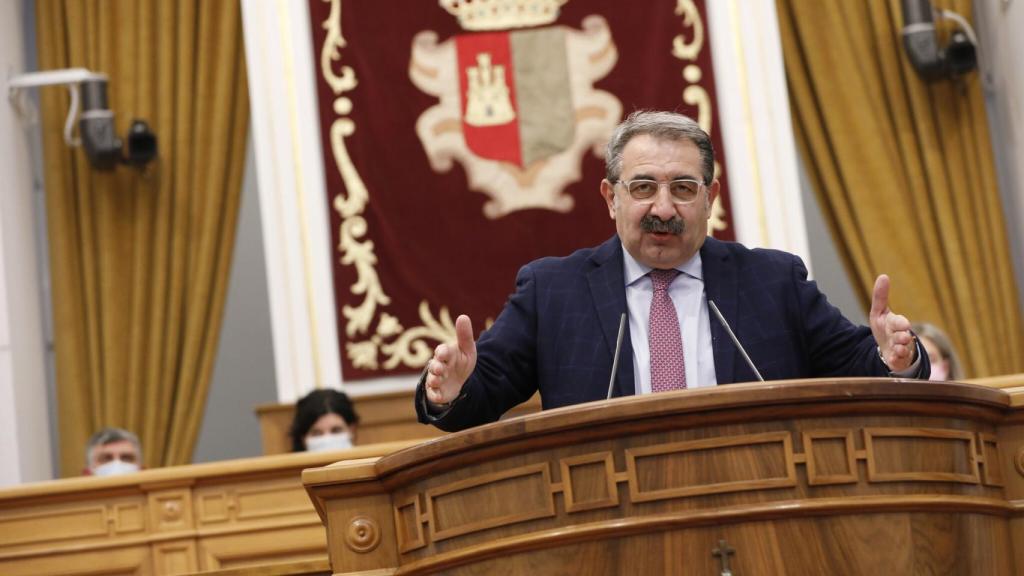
112 451
324 420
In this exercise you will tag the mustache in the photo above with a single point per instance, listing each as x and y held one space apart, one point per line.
651 223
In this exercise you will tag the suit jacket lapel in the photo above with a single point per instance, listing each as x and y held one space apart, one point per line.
608 290
721 287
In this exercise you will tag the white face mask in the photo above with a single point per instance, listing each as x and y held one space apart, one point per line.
324 442
940 371
115 468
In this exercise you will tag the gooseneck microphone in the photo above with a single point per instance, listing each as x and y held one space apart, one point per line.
721 320
615 360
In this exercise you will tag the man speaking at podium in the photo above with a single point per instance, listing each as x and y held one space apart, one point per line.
558 331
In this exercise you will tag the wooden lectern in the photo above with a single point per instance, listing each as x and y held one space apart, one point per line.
852 476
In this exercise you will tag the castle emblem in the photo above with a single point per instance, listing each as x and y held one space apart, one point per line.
516 102
487 101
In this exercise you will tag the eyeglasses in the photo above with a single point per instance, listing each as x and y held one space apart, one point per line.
681 191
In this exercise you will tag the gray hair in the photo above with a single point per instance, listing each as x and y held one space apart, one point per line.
108 436
663 125
936 335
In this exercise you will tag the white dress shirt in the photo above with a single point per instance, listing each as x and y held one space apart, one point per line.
687 293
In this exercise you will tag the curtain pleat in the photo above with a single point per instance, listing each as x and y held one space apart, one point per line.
140 259
903 170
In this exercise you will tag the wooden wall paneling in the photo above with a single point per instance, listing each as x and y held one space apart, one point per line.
318 567
54 525
253 505
120 561
46 524
171 510
251 549
170 520
276 498
175 557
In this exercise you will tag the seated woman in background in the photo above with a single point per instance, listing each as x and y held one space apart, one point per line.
324 420
944 360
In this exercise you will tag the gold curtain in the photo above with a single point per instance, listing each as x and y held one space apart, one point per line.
904 173
140 259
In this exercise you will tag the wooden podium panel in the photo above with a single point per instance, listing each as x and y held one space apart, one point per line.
235 514
859 476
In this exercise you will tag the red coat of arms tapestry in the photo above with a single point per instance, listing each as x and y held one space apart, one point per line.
464 138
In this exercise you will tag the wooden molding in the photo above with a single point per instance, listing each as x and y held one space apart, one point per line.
813 456
776 449
913 454
572 484
517 495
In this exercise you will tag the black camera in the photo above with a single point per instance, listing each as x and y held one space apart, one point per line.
961 54
932 61
140 145
102 145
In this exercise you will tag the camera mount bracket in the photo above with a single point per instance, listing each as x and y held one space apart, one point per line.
96 125
70 77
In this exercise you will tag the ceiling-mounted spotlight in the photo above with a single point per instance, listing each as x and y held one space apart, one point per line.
933 62
96 124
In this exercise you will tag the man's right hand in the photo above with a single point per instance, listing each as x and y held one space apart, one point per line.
452 364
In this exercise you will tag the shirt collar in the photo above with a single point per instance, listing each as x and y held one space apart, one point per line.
634 270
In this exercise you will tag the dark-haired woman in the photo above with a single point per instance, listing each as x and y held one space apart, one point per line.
324 420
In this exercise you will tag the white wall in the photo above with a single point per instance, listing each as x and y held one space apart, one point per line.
1000 28
24 423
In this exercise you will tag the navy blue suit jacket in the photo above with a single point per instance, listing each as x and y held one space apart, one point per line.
557 331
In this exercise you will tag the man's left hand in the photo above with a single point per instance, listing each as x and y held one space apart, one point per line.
891 331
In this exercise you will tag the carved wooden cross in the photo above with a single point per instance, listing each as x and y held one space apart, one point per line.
722 553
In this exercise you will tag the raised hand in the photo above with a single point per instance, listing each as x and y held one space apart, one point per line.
891 331
452 364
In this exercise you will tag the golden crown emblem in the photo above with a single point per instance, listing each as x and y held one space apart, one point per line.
502 14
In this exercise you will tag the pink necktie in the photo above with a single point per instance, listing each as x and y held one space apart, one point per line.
668 371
